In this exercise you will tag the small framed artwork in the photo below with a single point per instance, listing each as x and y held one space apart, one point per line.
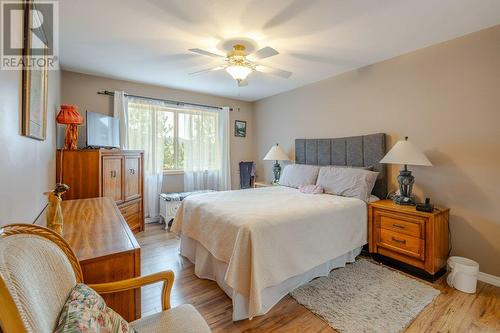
240 128
34 85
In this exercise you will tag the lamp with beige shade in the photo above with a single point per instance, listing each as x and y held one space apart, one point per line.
406 153
276 153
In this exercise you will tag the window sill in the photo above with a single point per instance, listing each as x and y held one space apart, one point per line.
173 172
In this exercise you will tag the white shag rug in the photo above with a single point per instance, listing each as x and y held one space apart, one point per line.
365 297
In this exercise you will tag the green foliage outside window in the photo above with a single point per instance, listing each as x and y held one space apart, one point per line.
194 130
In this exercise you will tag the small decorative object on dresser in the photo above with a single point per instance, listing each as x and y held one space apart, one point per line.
405 153
54 212
409 239
276 153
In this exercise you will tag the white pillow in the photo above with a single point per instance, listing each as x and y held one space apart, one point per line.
347 182
295 175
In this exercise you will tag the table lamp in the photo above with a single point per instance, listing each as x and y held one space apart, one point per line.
69 116
276 153
405 153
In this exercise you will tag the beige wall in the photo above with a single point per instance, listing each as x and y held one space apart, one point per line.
81 89
446 98
27 168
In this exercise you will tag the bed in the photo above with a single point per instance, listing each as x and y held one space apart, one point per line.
260 244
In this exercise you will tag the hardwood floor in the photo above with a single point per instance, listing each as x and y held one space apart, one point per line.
452 311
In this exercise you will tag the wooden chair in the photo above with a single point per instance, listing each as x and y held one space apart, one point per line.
38 269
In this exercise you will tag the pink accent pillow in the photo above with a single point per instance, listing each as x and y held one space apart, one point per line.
311 189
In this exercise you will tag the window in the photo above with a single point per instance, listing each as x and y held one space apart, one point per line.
176 132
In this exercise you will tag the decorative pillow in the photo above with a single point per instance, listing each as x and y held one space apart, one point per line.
295 175
86 311
311 189
347 182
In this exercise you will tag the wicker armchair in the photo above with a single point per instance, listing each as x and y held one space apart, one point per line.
38 269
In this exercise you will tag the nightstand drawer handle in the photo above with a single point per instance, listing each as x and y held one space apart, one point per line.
400 226
401 241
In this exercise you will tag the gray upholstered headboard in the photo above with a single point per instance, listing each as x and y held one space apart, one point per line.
358 151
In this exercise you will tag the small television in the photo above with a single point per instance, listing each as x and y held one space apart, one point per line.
102 131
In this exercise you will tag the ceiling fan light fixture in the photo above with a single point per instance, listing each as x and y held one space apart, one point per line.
239 72
239 66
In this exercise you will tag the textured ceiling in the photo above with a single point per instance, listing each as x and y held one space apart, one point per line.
147 41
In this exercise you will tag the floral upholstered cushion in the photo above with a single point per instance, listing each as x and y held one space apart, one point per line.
86 311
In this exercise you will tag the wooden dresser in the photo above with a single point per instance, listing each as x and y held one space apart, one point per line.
418 241
106 248
111 173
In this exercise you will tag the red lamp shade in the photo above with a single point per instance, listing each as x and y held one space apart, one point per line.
69 115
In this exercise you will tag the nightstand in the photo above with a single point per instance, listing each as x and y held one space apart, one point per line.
257 185
405 238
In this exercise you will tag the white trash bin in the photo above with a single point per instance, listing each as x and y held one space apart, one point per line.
462 274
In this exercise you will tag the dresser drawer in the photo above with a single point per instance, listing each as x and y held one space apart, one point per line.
131 212
414 228
410 226
134 222
402 243
131 208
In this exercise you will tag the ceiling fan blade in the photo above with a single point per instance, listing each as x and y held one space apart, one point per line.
207 70
242 83
207 53
273 71
263 53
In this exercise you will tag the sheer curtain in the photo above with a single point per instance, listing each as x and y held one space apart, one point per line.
204 142
146 131
120 111
225 141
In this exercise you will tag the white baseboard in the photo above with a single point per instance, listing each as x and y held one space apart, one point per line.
151 220
488 278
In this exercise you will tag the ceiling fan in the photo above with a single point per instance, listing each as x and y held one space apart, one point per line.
239 64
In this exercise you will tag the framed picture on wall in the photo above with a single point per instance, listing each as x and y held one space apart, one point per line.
240 128
35 80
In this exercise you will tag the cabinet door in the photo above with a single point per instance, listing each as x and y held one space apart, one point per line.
112 178
132 177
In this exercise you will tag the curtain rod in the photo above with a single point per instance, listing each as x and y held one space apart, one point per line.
110 93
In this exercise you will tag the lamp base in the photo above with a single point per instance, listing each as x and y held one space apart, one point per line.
71 137
405 180
401 200
277 173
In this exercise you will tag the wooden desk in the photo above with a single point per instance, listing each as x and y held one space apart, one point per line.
106 248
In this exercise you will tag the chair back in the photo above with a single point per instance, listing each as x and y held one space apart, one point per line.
38 269
247 174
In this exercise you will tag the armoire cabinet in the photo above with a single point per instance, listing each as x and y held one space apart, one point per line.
114 173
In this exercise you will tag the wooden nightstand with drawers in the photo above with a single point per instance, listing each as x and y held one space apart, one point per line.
414 241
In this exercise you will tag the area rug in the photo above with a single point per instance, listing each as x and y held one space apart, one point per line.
366 297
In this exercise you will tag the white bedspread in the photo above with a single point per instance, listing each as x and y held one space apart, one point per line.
270 234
